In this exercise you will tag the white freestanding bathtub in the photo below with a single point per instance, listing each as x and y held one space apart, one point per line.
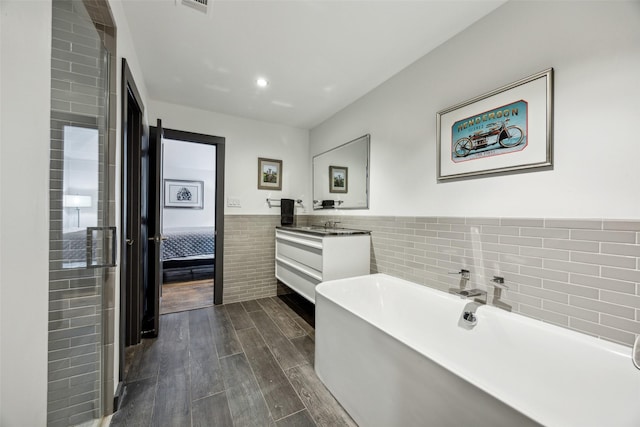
392 353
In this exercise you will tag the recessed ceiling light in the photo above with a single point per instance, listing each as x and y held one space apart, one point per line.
262 82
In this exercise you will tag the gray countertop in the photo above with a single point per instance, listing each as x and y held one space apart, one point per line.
320 230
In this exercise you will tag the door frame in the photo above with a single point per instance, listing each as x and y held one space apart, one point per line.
219 143
132 137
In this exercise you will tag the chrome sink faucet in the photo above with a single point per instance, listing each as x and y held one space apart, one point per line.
331 224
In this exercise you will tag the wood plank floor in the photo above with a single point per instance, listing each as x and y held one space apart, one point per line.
186 296
241 364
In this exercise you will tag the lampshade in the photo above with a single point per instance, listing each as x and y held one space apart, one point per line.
75 201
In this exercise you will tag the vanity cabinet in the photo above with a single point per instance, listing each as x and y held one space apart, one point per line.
305 259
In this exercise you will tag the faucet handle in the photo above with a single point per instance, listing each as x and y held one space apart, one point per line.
498 282
465 274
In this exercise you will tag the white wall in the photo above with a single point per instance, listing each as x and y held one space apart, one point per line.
594 48
246 140
190 161
25 81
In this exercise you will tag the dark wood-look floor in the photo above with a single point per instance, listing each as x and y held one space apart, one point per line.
186 296
241 364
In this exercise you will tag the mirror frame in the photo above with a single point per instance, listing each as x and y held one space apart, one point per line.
318 206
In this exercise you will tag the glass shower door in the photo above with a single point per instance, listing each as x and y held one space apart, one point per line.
82 244
87 241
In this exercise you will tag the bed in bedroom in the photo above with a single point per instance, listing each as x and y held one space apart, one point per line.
188 254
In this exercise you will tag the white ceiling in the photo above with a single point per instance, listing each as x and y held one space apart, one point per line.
319 56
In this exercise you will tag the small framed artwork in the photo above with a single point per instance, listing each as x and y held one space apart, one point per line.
506 130
338 179
269 174
180 193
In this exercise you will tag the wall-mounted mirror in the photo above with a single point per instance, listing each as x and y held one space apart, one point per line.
341 176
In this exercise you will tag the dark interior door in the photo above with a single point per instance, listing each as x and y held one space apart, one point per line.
132 243
151 318
132 220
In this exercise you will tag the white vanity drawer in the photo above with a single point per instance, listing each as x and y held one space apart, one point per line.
298 251
297 280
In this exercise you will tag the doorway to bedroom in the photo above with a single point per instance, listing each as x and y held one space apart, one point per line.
188 225
186 191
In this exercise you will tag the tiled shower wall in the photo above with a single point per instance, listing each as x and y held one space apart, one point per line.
81 302
579 274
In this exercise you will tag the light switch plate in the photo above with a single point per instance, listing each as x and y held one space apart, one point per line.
233 202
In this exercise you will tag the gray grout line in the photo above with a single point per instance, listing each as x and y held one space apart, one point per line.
297 412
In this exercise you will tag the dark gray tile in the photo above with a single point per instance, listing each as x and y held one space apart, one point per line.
137 405
287 325
73 77
238 315
281 399
308 328
73 371
299 419
54 393
211 411
74 38
283 350
84 416
246 404
306 346
58 364
224 334
322 407
173 403
84 341
83 379
144 360
86 397
174 343
251 305
72 332
206 378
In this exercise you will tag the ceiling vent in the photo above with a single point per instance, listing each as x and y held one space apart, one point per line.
201 5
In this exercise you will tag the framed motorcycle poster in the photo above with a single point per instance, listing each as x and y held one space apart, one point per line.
506 130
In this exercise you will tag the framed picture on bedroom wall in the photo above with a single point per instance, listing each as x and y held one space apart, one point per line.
269 174
180 193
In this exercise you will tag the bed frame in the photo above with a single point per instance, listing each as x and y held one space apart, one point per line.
186 270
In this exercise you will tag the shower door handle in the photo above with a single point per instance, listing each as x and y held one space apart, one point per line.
102 245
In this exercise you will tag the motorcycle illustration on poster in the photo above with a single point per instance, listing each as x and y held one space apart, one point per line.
502 130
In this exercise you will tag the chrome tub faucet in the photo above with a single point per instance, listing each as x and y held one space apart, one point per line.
498 286
465 275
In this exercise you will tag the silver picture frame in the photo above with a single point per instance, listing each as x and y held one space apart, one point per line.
506 130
